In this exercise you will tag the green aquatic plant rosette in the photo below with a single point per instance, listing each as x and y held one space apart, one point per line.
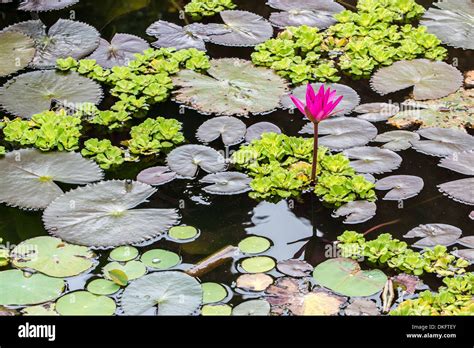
198 9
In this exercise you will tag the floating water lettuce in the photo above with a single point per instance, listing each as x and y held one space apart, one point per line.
206 8
16 52
103 153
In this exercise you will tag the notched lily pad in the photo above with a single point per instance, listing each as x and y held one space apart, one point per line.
460 162
16 52
459 190
256 130
443 141
373 160
356 212
434 234
397 140
467 241
187 159
45 5
376 112
226 183
231 129
156 176
401 186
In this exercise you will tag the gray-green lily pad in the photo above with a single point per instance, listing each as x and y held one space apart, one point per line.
216 310
16 52
231 129
124 253
252 308
258 264
187 159
467 241
213 292
52 257
294 268
459 190
401 186
344 276
376 112
443 141
47 309
254 245
45 5
84 303
373 160
434 234
183 232
102 287
132 269
156 176
356 212
226 183
397 140
160 259
460 162
256 130
467 254
175 293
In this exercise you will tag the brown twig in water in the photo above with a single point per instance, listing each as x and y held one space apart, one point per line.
346 4
381 225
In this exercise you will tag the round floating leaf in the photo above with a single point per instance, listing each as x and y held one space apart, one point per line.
443 141
459 190
294 268
85 303
231 129
376 112
226 183
16 52
246 29
258 264
66 38
356 212
183 232
46 309
119 51
344 132
362 306
397 140
401 186
254 245
45 5
349 101
452 22
102 287
102 215
160 259
52 257
175 293
256 130
373 160
17 288
124 253
467 241
345 277
214 310
313 13
213 292
430 79
462 162
32 93
28 176
132 269
234 87
187 159
252 308
434 234
156 176
254 282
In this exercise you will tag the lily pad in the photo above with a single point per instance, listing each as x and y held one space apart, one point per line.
258 264
213 292
434 234
18 288
183 232
28 176
226 183
294 268
373 160
252 308
451 22
356 212
102 215
84 303
313 13
102 287
132 269
66 38
397 140
349 101
254 245
175 293
246 29
215 310
16 52
45 5
430 79
376 112
52 257
187 159
256 130
160 259
46 309
119 51
156 176
467 254
345 277
231 129
467 241
233 87
443 141
32 93
124 253
462 162
254 282
362 306
401 186
459 190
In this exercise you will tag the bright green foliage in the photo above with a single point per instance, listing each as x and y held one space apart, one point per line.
46 131
4 255
205 8
3 151
108 118
385 250
453 299
378 34
280 168
103 152
154 136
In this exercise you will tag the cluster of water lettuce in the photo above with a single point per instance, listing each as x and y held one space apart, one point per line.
280 166
453 299
142 83
378 34
103 153
387 251
205 8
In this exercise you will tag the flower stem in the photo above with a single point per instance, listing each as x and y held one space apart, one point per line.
315 152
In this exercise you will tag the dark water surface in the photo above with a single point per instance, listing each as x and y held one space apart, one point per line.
298 228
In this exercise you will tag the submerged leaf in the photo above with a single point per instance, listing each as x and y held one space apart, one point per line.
226 183
156 176
256 130
356 212
16 52
434 234
401 186
187 159
397 140
375 112
459 190
461 162
373 160
443 141
45 5
231 129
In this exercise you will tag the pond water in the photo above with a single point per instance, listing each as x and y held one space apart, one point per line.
300 228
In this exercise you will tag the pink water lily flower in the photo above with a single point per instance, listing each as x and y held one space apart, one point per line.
318 108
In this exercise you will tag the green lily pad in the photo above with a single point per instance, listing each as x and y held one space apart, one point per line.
133 269
52 257
16 52
85 303
40 310
17 288
124 253
252 308
254 245
183 232
258 264
216 310
102 287
160 259
345 277
213 292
